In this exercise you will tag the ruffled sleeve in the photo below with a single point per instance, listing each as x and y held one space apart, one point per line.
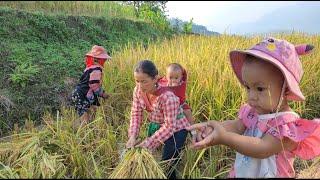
247 116
305 132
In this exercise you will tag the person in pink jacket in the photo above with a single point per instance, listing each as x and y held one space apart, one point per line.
268 134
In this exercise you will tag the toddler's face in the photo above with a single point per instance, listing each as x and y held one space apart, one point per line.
263 82
174 77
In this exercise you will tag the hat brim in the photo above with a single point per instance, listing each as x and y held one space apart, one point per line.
101 56
237 58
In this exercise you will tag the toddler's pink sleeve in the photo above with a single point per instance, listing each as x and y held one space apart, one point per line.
305 132
246 116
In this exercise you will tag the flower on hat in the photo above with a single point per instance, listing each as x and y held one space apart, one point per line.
271 47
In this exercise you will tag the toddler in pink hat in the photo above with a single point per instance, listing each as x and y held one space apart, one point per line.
267 134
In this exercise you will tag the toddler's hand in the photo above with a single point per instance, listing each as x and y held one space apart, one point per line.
200 133
210 133
208 130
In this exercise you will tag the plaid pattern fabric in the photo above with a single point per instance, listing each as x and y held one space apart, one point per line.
164 111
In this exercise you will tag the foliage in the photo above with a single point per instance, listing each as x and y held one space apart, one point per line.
77 8
153 6
42 56
187 27
152 11
23 73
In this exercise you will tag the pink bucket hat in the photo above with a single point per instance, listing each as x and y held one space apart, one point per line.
98 52
280 53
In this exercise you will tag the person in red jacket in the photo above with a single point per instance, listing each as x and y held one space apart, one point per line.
89 88
176 80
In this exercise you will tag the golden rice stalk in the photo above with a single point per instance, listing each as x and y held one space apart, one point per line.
7 173
137 163
311 172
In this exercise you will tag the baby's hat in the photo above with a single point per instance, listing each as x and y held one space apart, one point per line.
280 53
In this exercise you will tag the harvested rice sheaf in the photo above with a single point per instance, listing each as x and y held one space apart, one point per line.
138 163
311 172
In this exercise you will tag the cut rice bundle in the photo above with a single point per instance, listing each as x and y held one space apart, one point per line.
138 163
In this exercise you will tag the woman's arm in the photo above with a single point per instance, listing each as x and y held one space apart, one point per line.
136 115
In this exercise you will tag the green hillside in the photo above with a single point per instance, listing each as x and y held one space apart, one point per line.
78 8
42 57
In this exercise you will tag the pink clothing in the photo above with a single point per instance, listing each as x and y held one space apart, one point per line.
284 124
164 110
95 81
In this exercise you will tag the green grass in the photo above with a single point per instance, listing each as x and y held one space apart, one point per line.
77 8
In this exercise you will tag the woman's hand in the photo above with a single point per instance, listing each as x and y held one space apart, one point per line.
105 95
209 133
131 142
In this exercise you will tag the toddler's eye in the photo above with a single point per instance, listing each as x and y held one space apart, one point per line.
260 88
247 87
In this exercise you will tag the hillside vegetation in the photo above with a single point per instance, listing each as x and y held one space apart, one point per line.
42 57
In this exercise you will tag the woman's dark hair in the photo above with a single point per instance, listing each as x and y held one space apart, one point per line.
147 67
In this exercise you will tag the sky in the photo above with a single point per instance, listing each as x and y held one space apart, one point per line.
219 15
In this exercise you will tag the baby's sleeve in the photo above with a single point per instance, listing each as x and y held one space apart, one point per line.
302 131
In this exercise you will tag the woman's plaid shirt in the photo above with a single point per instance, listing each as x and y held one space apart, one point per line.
164 111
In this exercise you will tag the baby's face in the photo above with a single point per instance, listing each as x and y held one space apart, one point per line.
174 77
263 82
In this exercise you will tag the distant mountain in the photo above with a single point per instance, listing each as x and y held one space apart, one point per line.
302 17
196 29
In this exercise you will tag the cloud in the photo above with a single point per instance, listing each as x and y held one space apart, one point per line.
219 15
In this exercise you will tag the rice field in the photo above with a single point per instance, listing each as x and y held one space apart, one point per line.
55 150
